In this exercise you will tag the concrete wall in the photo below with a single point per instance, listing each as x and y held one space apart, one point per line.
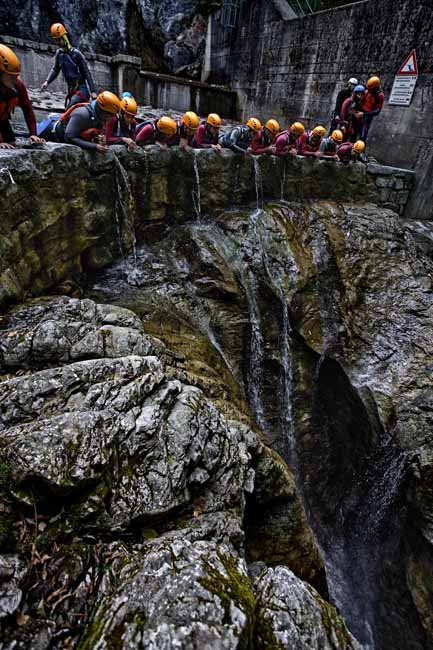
123 72
294 68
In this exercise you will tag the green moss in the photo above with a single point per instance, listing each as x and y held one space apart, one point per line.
233 588
334 626
264 634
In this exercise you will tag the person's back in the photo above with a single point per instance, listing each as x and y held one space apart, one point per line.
237 138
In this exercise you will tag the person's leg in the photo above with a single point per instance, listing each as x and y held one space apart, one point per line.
6 132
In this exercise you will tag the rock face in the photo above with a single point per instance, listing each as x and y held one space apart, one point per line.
168 36
123 496
61 225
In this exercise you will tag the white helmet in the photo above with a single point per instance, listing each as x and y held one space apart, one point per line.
353 81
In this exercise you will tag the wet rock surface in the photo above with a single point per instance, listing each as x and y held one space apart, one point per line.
124 491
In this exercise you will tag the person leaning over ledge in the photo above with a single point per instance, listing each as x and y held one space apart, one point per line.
264 140
120 129
287 141
239 138
207 134
309 142
74 68
13 93
328 146
159 131
83 124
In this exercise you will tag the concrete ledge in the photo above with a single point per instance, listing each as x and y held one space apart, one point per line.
65 211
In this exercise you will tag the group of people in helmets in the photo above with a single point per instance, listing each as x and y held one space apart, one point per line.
93 121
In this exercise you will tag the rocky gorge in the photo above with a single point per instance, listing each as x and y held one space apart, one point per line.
215 404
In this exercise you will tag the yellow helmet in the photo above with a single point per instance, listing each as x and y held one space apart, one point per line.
129 105
337 135
297 129
319 131
191 120
214 120
9 62
273 126
166 125
359 146
108 102
58 30
373 83
254 124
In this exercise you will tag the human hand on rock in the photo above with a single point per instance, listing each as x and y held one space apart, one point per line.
6 145
44 85
36 140
162 145
216 147
129 143
101 148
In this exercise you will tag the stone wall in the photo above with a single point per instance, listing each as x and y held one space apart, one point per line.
65 211
294 68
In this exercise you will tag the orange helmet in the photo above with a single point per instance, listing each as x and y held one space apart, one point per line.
297 129
166 125
214 120
337 136
373 83
254 124
58 30
129 105
319 131
191 120
273 126
108 102
359 146
9 62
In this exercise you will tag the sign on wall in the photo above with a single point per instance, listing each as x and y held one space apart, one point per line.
405 82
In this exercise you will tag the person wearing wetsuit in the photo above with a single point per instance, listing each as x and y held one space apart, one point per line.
71 62
120 129
264 140
287 141
239 138
344 94
329 145
309 142
372 105
159 132
207 134
351 115
82 124
13 93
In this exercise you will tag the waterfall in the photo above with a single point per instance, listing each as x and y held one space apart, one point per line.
5 171
123 187
196 193
258 181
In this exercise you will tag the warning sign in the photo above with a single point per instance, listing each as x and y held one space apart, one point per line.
405 82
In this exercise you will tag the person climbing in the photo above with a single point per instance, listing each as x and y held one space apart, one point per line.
13 92
83 124
239 138
348 151
309 142
207 134
121 128
185 131
71 62
344 94
287 141
371 105
264 140
158 132
351 114
328 146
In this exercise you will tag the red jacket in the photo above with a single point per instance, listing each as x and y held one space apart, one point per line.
344 152
116 129
203 139
305 148
146 135
262 141
285 143
372 103
10 98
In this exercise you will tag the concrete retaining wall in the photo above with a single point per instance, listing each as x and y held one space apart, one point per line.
62 208
294 69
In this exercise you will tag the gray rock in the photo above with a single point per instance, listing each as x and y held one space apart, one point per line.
12 570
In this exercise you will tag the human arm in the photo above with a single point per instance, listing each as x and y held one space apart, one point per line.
54 72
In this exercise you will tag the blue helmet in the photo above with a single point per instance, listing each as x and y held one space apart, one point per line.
126 94
359 89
